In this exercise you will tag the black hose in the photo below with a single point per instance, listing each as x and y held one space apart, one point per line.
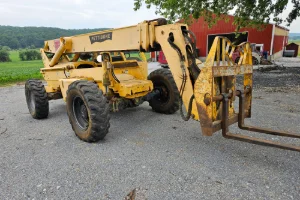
192 43
113 74
174 46
184 78
189 111
177 49
193 68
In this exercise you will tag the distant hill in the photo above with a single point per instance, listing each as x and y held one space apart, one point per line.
22 37
294 36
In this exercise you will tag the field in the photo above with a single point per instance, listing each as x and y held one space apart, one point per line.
18 71
297 42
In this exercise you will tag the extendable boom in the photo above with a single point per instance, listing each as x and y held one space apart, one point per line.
207 90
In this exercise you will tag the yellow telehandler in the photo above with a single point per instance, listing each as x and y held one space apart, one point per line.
95 74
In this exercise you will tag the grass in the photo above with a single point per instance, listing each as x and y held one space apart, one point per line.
138 56
296 42
18 71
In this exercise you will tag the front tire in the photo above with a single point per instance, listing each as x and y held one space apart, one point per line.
88 111
37 99
167 99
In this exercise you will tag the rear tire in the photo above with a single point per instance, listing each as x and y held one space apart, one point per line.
88 111
37 99
167 101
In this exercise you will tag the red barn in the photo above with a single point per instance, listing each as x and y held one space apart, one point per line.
272 39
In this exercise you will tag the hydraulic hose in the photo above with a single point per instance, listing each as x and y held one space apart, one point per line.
189 111
113 74
192 43
174 46
181 57
184 78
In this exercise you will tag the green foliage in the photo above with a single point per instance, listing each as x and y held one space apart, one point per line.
29 54
4 54
15 71
6 48
34 37
247 13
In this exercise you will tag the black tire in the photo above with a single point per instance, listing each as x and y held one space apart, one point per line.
88 111
37 99
167 101
254 61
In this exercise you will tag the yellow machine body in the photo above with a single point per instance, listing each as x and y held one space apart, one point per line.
208 96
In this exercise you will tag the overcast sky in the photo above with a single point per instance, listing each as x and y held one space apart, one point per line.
80 13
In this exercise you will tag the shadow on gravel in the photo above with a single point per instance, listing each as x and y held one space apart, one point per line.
57 110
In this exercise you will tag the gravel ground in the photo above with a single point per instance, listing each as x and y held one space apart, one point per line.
160 155
288 62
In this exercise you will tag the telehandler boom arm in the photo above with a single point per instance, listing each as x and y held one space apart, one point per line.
207 90
146 36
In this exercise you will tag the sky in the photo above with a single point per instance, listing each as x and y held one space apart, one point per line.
76 14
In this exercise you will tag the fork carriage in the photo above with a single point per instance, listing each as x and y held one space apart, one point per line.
216 90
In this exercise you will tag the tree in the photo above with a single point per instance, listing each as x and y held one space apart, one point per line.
4 56
34 37
247 13
22 55
31 47
6 48
29 54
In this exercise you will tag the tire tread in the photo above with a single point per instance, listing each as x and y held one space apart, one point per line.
98 107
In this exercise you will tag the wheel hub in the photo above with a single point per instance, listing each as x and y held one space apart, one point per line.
83 112
163 94
80 113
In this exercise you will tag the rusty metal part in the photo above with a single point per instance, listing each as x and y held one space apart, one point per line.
220 97
241 124
218 76
215 91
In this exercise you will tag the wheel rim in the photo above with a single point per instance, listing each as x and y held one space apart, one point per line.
164 94
30 101
80 113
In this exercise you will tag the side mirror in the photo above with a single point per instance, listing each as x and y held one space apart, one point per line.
99 58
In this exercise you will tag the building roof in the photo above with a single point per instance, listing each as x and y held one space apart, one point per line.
281 27
293 44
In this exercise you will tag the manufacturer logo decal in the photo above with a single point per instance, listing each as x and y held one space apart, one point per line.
101 37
